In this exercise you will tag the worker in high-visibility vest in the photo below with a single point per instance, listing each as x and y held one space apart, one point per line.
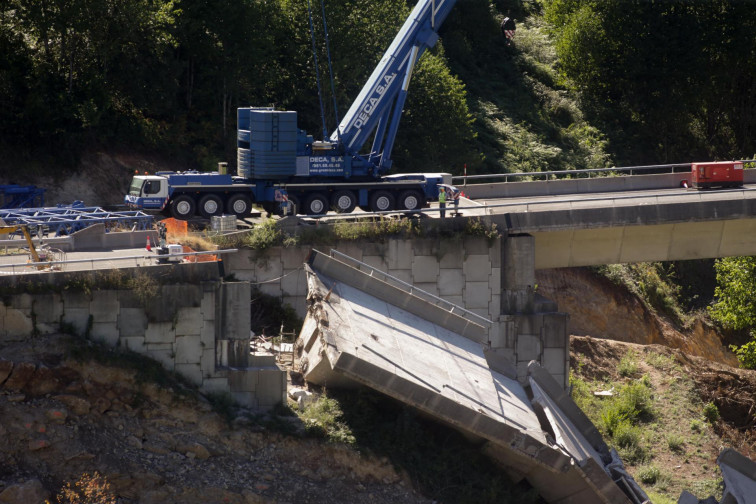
442 201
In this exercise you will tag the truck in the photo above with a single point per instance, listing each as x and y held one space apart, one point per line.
278 162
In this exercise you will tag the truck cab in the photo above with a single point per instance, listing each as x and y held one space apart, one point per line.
147 192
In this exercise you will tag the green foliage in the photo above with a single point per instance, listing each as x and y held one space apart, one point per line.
649 474
735 305
264 235
711 412
632 404
628 364
676 443
323 419
652 282
746 354
639 72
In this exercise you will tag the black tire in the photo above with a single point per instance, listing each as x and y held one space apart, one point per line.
210 205
344 201
316 204
382 201
239 205
410 200
183 207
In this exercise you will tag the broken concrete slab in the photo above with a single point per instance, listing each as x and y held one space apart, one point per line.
399 344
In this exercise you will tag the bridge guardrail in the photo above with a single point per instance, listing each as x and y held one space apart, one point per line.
669 168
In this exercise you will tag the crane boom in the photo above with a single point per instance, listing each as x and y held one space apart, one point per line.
378 107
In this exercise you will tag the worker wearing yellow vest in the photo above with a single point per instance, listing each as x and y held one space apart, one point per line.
442 201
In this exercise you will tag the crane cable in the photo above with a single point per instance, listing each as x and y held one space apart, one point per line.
317 72
330 68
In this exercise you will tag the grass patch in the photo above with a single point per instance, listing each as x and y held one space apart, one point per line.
676 443
628 365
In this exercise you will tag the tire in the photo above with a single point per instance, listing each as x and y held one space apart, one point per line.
239 205
410 200
210 206
183 207
382 201
316 204
294 200
344 201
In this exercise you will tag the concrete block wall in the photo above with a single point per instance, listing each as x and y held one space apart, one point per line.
465 272
200 331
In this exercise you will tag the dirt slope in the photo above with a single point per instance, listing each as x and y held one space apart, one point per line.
601 309
60 419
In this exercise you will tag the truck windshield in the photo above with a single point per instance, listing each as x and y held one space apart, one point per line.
136 186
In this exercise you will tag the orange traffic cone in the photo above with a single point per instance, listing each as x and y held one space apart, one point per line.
149 247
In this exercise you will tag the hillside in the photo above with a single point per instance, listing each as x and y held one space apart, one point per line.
70 408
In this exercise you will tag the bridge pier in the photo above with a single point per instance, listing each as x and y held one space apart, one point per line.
529 325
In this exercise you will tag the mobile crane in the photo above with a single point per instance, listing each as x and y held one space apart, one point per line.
276 161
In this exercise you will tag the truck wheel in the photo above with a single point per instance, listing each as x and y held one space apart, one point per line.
182 208
344 201
239 205
210 205
410 200
316 204
382 201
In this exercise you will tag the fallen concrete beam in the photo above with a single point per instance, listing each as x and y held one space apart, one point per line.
352 337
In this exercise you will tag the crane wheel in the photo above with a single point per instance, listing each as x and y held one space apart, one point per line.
182 207
344 201
382 201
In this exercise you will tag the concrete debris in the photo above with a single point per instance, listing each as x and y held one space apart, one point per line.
374 334
738 477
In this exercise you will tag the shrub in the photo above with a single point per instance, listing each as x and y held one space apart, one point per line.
649 474
746 354
323 419
613 416
711 412
628 365
675 443
626 435
88 489
696 425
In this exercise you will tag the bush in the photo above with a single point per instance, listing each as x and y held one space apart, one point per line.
649 475
324 419
675 443
746 354
628 365
626 435
711 412
88 489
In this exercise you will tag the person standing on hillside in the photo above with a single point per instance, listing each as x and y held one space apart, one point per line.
508 29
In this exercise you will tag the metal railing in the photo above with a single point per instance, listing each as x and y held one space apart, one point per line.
50 266
415 291
631 170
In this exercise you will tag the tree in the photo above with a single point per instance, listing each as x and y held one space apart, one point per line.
735 302
668 80
734 307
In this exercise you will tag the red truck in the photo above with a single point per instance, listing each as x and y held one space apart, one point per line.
717 174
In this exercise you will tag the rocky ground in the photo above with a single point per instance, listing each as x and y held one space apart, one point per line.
60 419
